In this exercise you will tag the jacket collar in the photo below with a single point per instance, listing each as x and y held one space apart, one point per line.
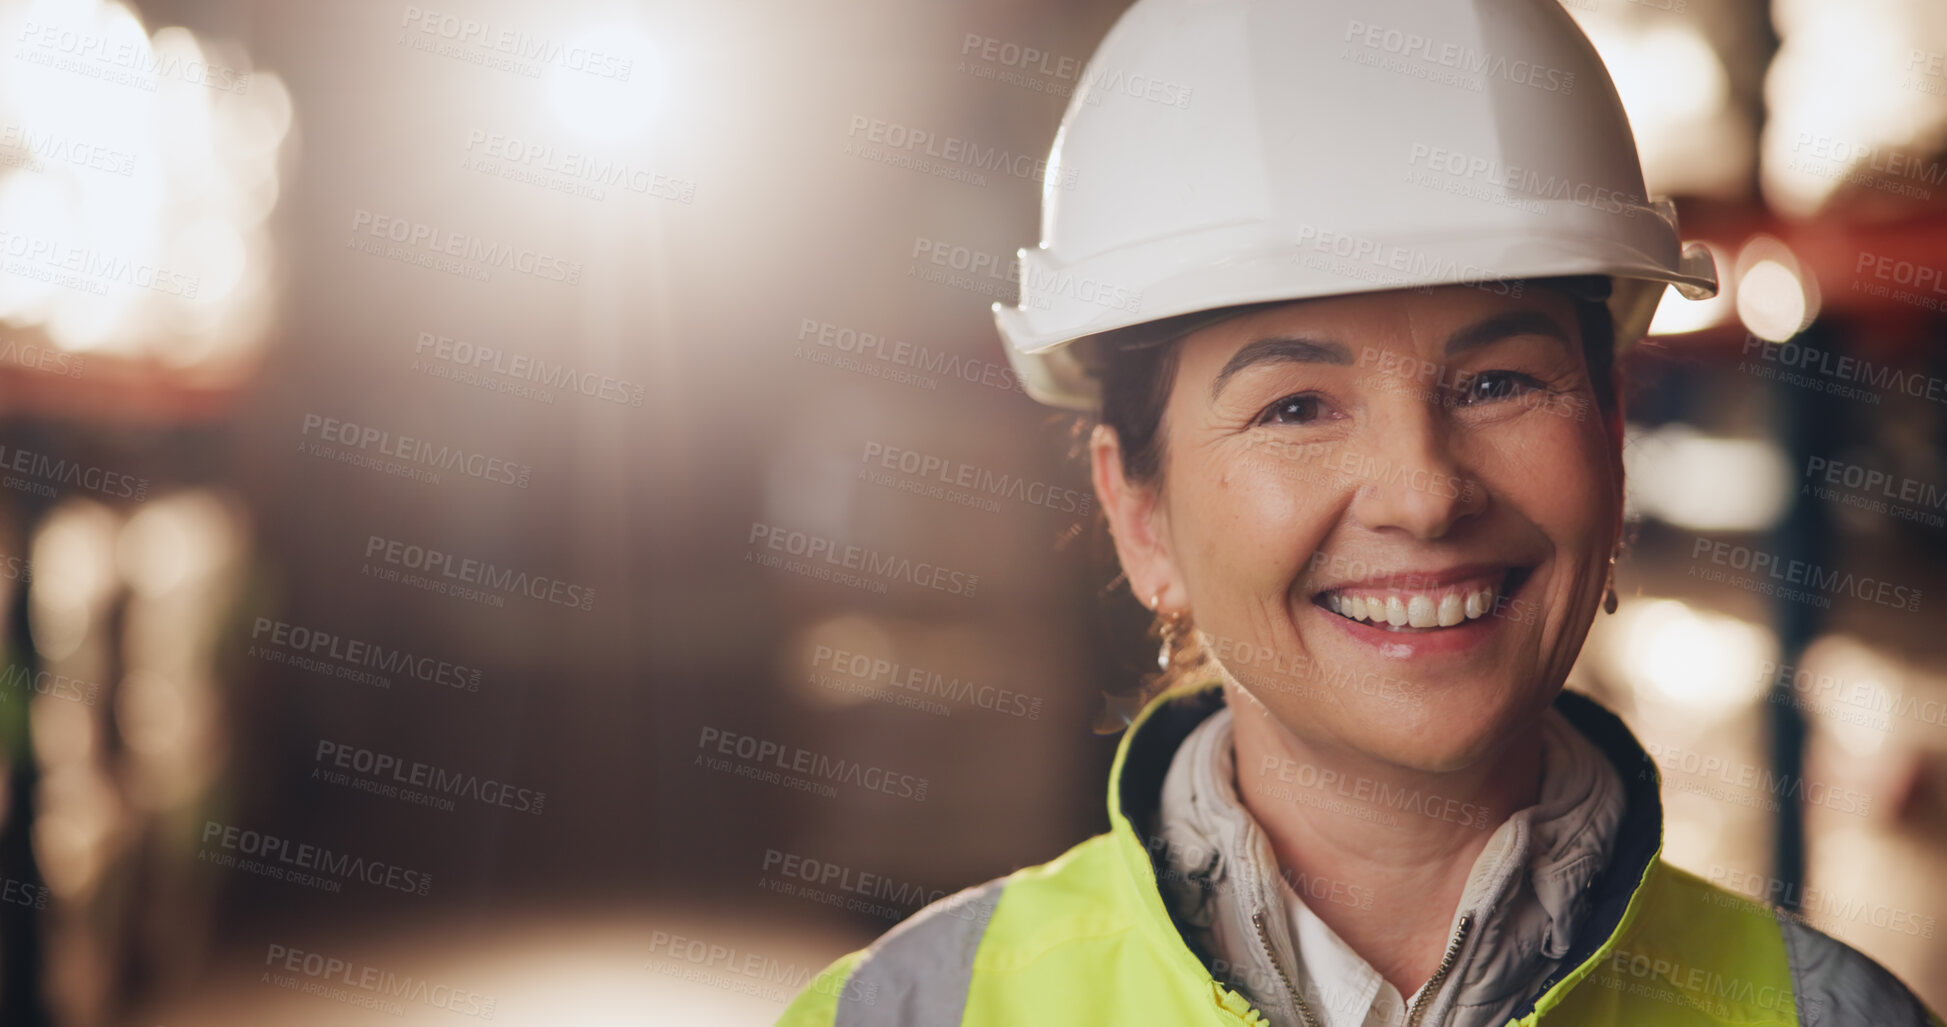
1143 757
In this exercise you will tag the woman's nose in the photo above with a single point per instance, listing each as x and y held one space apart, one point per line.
1406 473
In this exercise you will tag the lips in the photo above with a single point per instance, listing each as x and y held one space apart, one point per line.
1436 600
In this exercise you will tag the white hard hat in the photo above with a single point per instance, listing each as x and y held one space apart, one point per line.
1226 152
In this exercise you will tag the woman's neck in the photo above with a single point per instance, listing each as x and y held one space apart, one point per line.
1414 853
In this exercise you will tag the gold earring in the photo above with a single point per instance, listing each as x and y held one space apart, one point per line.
1609 588
1168 651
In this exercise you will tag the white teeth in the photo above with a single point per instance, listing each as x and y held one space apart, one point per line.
1418 610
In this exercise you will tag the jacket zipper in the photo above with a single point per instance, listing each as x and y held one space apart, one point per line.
1264 938
1446 966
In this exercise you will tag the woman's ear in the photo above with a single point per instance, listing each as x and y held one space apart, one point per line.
1136 522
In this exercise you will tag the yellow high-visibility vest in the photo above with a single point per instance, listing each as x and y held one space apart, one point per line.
1086 938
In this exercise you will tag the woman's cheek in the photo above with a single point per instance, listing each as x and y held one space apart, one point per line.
1553 456
1264 526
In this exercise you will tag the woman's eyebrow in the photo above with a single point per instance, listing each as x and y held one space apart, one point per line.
1281 348
1502 326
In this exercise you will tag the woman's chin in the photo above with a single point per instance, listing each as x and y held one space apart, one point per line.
1447 729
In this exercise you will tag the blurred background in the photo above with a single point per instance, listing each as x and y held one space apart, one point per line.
419 421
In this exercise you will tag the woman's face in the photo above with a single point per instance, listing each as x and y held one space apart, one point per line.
1390 514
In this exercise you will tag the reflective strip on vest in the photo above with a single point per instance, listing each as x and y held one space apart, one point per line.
918 973
1836 984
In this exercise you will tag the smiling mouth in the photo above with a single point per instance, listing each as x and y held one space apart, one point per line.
1423 609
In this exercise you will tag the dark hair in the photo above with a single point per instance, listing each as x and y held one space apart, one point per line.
1136 384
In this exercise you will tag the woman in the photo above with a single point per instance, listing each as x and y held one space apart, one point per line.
1359 449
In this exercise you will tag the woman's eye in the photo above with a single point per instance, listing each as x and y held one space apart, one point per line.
1299 409
1490 386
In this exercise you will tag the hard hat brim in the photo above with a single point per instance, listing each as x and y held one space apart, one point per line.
1055 314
